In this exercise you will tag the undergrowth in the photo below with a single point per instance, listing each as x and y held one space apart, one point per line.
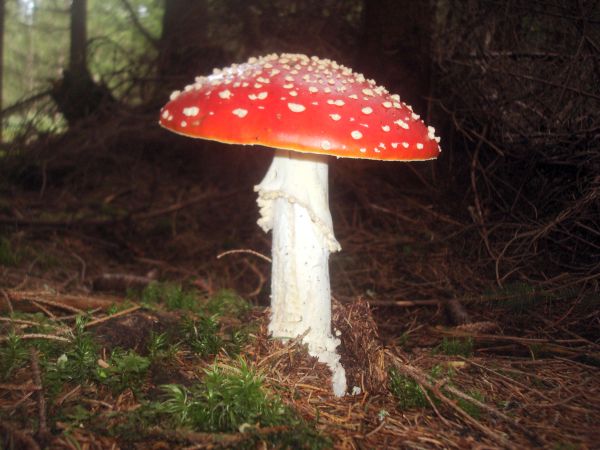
161 349
125 369
202 335
230 398
173 296
409 394
520 298
455 347
227 397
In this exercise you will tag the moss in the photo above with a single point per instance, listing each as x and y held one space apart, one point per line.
407 391
229 399
13 355
76 363
202 335
227 302
455 347
173 296
125 370
232 397
469 407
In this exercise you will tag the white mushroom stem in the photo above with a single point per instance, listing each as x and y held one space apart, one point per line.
293 201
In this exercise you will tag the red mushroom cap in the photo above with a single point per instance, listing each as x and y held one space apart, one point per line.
304 104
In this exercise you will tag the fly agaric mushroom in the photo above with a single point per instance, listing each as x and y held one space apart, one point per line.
306 108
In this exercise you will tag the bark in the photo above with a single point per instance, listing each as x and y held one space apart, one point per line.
78 44
2 11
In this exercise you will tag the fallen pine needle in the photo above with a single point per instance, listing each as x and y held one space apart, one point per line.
51 337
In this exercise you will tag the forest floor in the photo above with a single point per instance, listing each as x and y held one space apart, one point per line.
133 313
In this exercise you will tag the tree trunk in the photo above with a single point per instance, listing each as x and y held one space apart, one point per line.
2 10
78 49
76 94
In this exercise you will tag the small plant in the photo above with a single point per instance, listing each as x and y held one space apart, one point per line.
234 396
239 338
202 335
520 298
119 306
126 370
160 349
8 257
406 390
456 347
172 295
75 416
177 404
13 354
409 393
227 302
228 398
79 361
471 408
75 363
157 344
438 371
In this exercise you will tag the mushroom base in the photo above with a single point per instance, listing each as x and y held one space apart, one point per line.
293 201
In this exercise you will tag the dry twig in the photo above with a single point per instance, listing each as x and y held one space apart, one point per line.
422 380
112 316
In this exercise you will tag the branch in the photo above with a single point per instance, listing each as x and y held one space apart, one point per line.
71 303
136 22
25 102
423 380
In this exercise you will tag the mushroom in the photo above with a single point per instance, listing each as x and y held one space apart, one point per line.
306 108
